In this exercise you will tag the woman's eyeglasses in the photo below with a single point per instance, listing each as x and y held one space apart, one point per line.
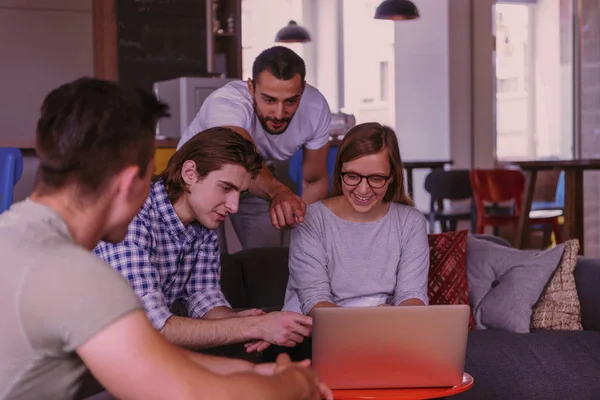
375 181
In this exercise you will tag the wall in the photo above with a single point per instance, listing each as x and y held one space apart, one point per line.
590 121
43 43
550 101
434 86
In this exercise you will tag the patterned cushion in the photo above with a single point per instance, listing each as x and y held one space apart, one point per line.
448 269
558 307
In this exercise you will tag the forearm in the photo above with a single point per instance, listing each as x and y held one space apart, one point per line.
219 365
200 333
412 302
322 304
220 313
288 385
410 298
313 191
266 186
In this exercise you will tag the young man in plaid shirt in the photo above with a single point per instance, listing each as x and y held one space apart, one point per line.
171 250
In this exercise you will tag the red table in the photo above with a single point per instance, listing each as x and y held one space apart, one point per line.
402 394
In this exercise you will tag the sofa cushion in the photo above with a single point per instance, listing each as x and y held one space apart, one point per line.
265 275
505 283
447 283
538 365
558 307
232 283
587 279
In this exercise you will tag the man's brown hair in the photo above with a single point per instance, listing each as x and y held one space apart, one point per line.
89 130
210 149
366 139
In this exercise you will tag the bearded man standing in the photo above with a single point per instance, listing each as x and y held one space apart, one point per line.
281 114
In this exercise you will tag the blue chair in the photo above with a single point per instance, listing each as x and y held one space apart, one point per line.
295 168
11 170
559 199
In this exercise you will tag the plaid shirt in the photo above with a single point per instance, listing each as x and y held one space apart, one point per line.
164 261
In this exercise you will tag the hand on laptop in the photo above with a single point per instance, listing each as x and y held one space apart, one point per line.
283 328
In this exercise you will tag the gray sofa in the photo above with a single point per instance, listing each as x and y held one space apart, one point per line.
505 365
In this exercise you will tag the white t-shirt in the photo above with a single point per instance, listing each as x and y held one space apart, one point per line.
231 105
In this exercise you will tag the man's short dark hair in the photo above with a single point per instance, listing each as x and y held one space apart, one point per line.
280 61
90 130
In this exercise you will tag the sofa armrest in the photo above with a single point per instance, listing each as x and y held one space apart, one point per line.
587 280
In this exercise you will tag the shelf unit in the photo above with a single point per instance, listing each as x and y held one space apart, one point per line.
224 32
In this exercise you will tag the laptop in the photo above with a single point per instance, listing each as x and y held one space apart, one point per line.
390 347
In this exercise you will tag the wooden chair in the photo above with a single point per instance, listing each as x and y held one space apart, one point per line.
505 185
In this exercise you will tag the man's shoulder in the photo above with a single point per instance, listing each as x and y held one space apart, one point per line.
313 99
232 93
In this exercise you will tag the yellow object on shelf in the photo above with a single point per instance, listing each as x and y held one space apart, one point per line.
161 158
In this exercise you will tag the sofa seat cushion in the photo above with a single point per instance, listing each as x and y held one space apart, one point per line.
538 365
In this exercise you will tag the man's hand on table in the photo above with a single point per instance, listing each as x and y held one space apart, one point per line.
314 390
283 328
286 209
252 312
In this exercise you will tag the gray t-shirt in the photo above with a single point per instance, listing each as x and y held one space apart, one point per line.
358 263
55 295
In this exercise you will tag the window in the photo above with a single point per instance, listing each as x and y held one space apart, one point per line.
384 82
534 80
261 21
368 63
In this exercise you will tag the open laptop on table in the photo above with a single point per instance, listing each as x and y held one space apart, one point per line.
390 347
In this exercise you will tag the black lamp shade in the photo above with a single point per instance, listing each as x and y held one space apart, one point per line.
292 33
397 10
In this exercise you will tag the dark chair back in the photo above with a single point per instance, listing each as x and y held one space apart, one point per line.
448 185
451 185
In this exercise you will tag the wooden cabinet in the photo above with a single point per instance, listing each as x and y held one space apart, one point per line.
225 39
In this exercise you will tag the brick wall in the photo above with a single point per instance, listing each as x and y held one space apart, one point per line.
590 121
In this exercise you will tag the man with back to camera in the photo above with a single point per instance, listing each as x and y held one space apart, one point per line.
280 113
66 312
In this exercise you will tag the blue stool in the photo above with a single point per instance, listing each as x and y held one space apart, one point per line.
295 167
559 198
11 170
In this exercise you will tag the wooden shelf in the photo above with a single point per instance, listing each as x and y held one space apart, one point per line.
226 35
226 47
26 145
166 143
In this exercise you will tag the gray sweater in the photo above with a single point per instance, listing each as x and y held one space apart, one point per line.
358 263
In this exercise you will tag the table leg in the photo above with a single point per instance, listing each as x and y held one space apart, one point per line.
573 228
523 227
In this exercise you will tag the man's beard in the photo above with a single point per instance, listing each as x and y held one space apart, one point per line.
263 121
